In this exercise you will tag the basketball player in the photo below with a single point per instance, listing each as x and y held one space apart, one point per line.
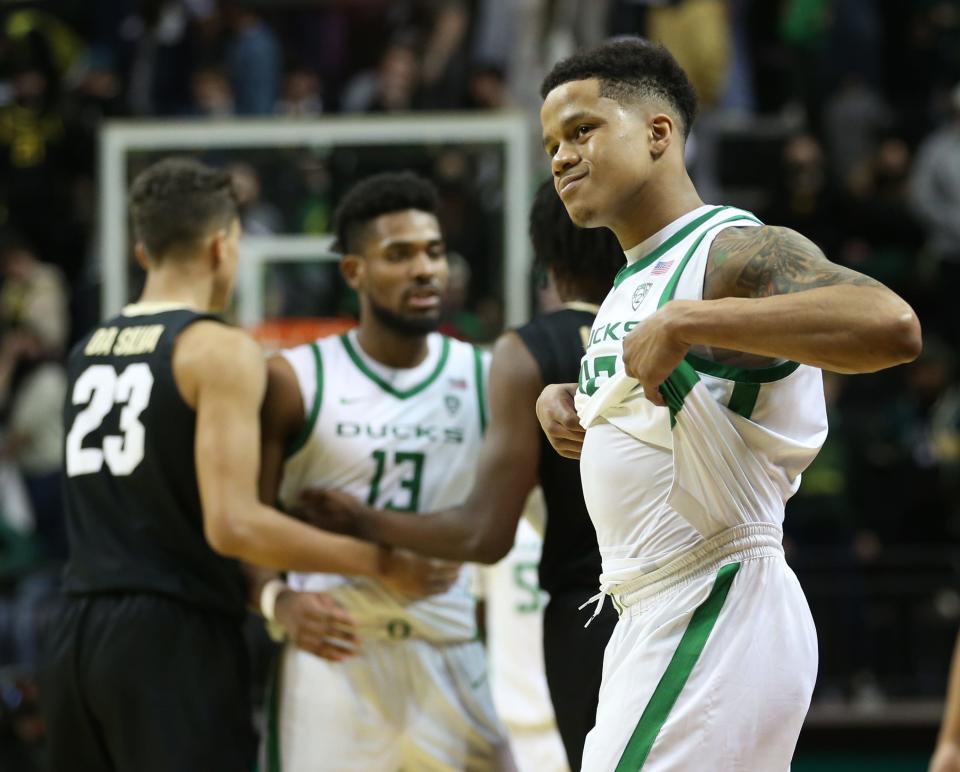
515 457
392 412
691 449
148 668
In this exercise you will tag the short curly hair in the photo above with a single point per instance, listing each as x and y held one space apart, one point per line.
630 69
378 195
586 260
176 202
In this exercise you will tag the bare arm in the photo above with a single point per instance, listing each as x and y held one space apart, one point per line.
220 372
947 756
284 416
482 529
770 291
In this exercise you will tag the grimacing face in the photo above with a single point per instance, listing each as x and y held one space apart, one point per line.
403 266
599 151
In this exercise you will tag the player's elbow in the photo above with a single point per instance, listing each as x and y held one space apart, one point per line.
903 336
226 535
491 548
910 337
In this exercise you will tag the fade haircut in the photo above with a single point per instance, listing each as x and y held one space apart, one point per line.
630 70
379 195
177 202
583 259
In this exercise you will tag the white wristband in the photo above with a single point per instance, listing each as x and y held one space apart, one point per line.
268 598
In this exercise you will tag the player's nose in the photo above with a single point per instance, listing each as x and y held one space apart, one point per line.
566 157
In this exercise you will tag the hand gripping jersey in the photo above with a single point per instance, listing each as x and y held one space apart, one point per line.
396 439
716 466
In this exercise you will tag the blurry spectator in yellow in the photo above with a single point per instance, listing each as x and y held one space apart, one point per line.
33 297
697 32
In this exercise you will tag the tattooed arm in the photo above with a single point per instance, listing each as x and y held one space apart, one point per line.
771 292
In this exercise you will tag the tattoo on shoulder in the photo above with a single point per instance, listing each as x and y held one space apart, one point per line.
769 260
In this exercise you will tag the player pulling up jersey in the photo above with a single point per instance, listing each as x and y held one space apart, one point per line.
697 423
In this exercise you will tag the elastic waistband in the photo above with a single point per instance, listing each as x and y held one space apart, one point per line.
742 542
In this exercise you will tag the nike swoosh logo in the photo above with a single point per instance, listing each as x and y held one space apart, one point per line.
350 400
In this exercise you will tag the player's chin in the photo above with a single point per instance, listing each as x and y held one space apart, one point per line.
582 214
424 321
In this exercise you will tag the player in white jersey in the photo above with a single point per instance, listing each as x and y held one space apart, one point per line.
393 413
701 401
513 604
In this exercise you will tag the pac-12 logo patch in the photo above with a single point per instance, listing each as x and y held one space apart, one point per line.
452 403
640 294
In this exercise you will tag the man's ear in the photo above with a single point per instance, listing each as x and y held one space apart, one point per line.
216 250
143 259
353 269
661 134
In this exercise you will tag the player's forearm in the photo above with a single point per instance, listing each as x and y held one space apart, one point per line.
950 729
844 328
265 537
457 534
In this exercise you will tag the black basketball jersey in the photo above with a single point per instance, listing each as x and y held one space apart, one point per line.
133 510
570 557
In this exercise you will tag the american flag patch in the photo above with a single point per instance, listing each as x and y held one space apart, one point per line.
661 267
458 383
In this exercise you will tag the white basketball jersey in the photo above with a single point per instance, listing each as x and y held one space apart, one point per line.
728 449
404 439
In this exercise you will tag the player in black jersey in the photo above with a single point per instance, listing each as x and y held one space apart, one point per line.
516 456
147 668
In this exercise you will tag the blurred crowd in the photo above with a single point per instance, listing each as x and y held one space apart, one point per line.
840 118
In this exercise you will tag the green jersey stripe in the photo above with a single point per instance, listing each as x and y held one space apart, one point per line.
273 756
631 268
675 279
413 391
665 696
744 398
675 389
307 430
743 374
481 389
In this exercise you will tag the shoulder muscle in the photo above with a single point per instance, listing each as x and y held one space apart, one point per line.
213 358
770 260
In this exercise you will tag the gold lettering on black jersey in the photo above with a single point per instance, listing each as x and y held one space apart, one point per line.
137 340
101 342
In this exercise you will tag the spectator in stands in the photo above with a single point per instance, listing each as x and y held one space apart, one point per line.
212 94
253 61
805 195
391 87
34 441
302 93
33 299
33 314
488 90
258 217
935 190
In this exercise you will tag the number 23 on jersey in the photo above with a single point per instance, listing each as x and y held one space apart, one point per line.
100 388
